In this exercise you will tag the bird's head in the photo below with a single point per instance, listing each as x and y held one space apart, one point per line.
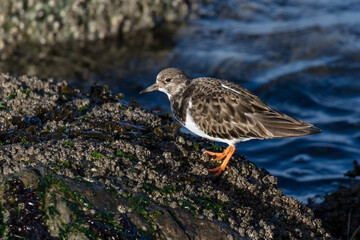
170 81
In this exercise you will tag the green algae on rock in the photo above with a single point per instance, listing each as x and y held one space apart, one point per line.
42 205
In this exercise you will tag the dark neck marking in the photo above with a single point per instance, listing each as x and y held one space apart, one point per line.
179 104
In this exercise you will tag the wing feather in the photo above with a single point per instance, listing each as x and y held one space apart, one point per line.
232 112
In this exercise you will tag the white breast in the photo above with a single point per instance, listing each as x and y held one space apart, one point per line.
193 127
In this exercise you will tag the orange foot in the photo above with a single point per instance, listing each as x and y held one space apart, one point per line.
229 151
219 155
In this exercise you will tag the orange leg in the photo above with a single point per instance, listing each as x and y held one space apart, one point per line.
222 167
219 155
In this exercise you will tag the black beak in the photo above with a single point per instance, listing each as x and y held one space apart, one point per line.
150 89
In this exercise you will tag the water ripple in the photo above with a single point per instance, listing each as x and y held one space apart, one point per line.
269 27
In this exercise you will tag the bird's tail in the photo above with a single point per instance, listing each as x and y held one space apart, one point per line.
281 125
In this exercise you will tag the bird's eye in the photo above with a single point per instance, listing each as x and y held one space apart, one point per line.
167 79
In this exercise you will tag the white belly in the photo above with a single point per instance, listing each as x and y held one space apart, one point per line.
193 127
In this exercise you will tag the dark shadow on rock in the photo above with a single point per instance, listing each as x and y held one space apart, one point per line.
340 212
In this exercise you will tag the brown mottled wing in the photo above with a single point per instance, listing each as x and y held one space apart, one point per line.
232 112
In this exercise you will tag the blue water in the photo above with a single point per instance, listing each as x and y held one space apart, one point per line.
300 57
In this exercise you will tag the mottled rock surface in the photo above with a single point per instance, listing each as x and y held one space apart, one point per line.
48 22
156 176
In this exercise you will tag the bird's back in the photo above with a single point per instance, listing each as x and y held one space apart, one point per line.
226 110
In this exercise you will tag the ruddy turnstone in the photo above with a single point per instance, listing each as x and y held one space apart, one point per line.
225 112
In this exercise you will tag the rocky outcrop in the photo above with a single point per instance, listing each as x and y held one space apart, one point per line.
92 165
340 212
49 22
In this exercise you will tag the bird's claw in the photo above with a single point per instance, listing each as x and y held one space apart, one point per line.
218 170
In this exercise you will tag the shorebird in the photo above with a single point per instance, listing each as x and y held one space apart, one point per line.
225 112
